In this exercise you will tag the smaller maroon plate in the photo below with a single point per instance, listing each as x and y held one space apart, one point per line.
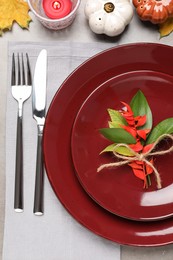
118 190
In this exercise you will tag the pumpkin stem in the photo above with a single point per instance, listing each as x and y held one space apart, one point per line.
109 7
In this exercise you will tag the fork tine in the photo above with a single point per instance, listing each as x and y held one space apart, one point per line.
13 72
19 73
23 72
29 79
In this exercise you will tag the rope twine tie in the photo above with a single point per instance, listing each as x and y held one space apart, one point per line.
140 157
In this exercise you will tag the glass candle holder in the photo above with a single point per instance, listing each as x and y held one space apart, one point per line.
47 15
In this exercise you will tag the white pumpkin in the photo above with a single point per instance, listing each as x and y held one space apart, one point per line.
108 17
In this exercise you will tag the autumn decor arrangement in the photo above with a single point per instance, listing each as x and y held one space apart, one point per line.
111 17
104 16
13 11
135 142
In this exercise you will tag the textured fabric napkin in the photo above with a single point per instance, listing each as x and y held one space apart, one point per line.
55 235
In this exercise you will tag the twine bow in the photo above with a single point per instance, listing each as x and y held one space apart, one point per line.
140 157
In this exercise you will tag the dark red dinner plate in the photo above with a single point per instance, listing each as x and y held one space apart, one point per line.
57 142
118 190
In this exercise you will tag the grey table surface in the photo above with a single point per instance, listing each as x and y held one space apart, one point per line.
79 31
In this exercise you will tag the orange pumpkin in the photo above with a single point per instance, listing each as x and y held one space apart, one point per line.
155 11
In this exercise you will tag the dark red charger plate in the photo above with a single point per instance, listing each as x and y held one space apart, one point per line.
117 189
57 142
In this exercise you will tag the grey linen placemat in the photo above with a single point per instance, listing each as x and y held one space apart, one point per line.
55 235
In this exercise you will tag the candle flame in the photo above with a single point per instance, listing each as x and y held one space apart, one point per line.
56 5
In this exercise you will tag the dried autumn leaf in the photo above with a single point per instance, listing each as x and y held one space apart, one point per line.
140 120
143 133
136 147
149 170
13 11
166 28
138 173
129 129
136 165
147 148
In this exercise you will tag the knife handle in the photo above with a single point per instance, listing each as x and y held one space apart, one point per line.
18 189
39 178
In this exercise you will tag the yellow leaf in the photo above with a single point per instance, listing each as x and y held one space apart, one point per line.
13 11
166 28
121 150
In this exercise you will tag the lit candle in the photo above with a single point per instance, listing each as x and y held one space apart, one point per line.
56 9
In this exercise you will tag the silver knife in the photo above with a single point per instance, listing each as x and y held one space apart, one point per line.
39 111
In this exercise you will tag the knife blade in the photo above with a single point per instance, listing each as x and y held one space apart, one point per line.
39 110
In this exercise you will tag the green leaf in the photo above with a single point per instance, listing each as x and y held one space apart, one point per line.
140 107
109 148
118 135
114 124
116 118
121 150
164 127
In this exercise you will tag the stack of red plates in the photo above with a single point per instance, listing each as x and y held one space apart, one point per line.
112 203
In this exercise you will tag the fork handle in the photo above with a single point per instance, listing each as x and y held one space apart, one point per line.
39 179
18 193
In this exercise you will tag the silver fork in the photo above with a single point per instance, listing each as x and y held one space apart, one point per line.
21 90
